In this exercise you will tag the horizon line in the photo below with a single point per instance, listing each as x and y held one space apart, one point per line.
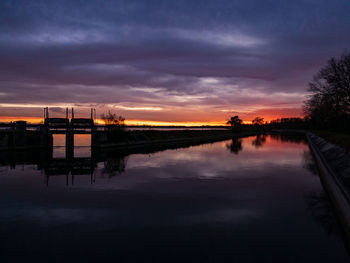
137 123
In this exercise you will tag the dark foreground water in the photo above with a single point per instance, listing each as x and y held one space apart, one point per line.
256 199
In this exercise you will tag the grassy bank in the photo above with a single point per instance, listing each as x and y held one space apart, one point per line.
175 137
339 139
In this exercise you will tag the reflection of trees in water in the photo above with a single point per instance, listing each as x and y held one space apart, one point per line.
309 162
114 166
235 146
322 211
259 140
294 137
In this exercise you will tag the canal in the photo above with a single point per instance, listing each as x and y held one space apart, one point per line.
255 199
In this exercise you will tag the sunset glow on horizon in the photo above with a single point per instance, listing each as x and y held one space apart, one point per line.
39 120
136 122
152 68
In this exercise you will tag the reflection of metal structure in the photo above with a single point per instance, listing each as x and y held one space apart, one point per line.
69 165
114 161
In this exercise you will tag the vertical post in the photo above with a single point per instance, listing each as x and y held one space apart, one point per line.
67 113
69 145
70 140
46 114
46 138
93 128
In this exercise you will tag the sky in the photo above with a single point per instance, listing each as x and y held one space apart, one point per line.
157 61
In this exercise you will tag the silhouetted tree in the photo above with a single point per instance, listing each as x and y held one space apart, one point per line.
114 126
234 122
258 121
328 106
112 119
288 123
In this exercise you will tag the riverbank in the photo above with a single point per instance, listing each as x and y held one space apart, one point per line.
103 139
133 139
339 139
334 168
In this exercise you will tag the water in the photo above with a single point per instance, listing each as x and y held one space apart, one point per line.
256 199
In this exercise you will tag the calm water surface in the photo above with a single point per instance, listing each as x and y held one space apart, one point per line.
256 199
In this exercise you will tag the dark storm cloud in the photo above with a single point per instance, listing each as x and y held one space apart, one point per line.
215 54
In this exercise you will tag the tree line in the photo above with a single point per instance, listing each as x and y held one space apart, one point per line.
328 105
258 122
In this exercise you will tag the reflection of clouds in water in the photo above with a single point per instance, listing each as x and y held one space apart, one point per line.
208 161
82 151
211 161
59 152
194 154
199 194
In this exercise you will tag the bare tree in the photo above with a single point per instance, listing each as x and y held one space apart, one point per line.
258 121
112 119
328 106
